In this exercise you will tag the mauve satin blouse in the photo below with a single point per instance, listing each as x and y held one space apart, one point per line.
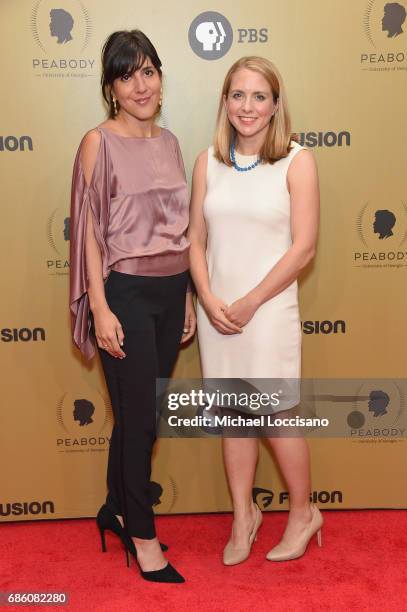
139 199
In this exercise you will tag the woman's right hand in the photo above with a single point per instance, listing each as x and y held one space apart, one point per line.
109 332
214 308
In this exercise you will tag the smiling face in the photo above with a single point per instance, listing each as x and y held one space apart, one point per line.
249 103
138 94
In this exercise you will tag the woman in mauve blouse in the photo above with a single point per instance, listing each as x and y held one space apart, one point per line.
129 289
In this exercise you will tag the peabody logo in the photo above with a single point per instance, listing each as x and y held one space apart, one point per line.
384 26
378 412
58 235
383 233
164 494
62 32
84 419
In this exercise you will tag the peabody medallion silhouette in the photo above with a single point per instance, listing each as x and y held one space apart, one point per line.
83 412
67 228
393 18
164 494
61 25
156 491
87 413
383 24
378 402
383 223
58 226
374 223
382 410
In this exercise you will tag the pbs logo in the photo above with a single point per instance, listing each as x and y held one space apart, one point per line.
210 35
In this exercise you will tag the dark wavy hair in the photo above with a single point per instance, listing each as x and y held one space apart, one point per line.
124 52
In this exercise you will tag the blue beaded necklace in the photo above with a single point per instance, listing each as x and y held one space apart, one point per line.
236 165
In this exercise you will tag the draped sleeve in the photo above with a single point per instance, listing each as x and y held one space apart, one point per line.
181 166
96 197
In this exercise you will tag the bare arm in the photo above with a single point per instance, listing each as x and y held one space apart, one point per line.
197 235
302 183
109 334
197 232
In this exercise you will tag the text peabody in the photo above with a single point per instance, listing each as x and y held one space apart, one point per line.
216 398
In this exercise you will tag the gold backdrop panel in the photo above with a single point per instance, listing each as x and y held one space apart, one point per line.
344 65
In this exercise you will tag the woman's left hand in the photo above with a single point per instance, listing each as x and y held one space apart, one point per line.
190 319
241 311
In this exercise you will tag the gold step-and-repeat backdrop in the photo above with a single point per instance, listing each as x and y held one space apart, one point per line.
345 68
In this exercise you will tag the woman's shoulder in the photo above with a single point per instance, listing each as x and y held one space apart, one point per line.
167 134
300 159
295 146
205 156
90 143
91 139
90 152
201 160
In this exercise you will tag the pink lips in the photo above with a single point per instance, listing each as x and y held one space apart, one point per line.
248 120
142 100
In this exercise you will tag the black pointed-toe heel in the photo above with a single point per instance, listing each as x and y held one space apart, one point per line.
107 520
166 574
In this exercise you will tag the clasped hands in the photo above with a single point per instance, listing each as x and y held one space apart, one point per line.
229 319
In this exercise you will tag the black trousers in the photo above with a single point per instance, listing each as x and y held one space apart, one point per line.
151 310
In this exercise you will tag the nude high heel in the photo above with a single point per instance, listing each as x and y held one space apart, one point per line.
282 553
232 555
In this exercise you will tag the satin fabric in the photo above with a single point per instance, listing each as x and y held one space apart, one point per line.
138 197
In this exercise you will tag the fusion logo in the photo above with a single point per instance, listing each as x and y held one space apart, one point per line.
62 32
85 421
58 235
264 497
379 413
25 508
23 334
210 35
323 327
16 143
383 233
384 26
324 139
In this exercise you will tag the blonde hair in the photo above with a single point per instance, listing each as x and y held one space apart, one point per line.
277 142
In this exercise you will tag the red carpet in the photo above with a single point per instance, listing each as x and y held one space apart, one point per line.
361 566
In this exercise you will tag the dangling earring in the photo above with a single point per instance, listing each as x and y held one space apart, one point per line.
114 102
160 102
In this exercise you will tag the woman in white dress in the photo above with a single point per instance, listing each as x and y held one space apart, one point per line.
253 228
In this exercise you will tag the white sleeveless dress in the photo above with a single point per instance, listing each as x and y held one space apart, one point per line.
247 215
